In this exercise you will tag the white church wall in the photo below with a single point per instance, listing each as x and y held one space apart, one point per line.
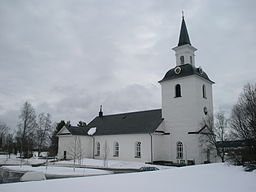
180 111
184 114
203 102
69 143
160 146
126 147
192 149
187 52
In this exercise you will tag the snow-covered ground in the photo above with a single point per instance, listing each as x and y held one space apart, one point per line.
65 168
109 164
200 178
13 160
61 171
85 162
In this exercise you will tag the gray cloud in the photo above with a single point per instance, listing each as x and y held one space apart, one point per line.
68 57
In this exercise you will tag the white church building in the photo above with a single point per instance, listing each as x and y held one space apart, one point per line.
171 133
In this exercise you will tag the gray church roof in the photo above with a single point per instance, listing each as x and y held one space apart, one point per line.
186 70
125 123
74 130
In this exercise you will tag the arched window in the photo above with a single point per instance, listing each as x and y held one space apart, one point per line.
204 91
98 149
177 90
181 60
205 110
179 150
137 149
116 149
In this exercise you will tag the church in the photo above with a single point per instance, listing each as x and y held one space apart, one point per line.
170 134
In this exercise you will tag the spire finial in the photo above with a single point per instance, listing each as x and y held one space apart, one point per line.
184 38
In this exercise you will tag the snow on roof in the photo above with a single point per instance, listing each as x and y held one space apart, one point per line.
92 131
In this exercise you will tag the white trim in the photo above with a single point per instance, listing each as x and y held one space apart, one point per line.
61 130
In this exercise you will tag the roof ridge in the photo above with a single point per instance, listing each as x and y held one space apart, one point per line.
126 113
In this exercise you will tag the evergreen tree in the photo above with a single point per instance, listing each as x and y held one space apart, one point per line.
54 139
81 124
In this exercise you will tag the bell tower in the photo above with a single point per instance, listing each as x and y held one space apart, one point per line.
186 100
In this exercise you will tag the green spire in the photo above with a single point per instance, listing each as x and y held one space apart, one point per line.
184 38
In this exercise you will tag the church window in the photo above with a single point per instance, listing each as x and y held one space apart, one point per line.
116 149
205 110
137 149
182 60
191 60
204 91
177 90
179 150
98 149
65 155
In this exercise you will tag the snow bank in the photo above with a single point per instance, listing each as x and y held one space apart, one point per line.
33 176
13 160
200 178
111 164
61 171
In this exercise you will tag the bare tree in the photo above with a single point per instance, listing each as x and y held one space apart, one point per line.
106 152
75 151
3 134
6 139
243 122
27 126
43 131
10 144
214 134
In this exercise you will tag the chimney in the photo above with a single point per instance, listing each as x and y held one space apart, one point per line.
101 112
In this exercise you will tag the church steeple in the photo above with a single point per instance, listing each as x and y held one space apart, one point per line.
184 52
184 38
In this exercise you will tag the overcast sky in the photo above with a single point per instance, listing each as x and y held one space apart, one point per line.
69 57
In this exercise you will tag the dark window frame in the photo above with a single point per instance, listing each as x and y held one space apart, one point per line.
116 149
138 149
182 60
97 149
204 91
177 90
179 150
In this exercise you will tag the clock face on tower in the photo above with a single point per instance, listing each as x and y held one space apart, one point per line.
177 70
200 70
